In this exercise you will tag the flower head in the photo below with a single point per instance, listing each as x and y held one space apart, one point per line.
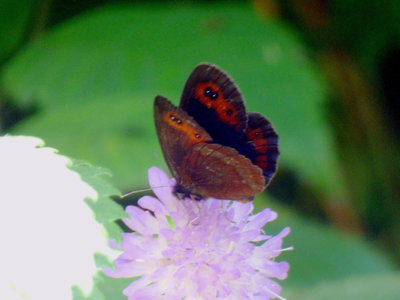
187 249
49 234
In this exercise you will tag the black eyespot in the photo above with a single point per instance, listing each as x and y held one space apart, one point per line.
197 136
209 93
257 133
175 119
229 112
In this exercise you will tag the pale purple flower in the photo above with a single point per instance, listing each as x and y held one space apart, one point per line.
209 249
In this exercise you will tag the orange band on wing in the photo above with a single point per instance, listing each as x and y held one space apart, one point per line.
262 161
257 139
177 122
210 95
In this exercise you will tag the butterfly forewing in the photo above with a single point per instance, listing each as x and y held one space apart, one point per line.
215 102
177 133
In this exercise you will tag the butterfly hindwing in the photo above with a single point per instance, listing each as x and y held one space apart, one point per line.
215 102
221 172
260 145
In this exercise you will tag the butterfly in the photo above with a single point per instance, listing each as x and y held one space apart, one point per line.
212 146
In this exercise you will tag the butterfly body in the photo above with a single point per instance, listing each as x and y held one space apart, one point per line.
212 146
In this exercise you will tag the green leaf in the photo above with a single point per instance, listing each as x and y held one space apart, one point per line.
322 253
14 17
383 286
105 209
78 294
106 212
112 288
120 57
105 288
125 141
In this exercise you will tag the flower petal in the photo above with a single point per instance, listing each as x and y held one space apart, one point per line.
141 221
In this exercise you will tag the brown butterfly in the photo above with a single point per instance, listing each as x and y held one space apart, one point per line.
212 146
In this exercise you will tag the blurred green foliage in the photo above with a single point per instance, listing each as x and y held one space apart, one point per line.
111 63
327 262
91 72
14 19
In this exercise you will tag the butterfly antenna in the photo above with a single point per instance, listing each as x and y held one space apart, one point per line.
141 191
134 192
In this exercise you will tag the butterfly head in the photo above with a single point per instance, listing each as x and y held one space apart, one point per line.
182 192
